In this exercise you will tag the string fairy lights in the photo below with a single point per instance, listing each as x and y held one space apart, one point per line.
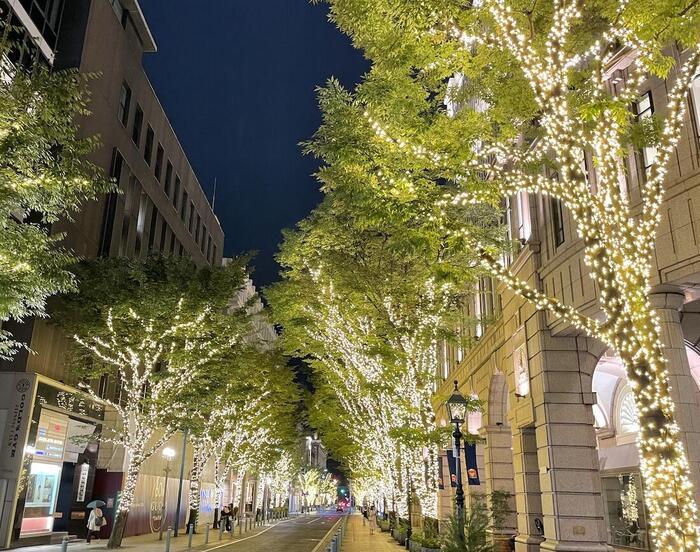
392 397
618 237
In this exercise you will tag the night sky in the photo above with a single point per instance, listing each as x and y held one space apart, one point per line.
237 80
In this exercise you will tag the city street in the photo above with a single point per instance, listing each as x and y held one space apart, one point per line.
300 534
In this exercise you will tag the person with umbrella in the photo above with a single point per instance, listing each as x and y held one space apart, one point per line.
96 520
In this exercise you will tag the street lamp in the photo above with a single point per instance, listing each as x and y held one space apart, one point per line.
168 454
457 413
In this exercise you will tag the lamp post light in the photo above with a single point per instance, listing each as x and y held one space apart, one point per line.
168 454
457 413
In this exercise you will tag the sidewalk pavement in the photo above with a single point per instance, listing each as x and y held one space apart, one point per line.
358 538
150 543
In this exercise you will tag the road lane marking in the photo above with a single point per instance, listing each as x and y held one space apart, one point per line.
313 520
231 543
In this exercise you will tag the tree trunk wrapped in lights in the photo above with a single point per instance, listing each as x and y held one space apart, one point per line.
531 99
156 328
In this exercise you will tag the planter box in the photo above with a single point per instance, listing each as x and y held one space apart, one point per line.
417 547
399 536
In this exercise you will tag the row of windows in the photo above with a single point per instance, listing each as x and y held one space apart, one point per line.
172 183
137 209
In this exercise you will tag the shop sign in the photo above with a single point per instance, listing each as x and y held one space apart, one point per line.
17 393
82 482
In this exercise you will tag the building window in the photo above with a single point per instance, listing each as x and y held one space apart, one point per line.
695 95
124 103
190 225
172 243
152 229
158 169
163 234
644 109
120 12
507 221
213 256
183 206
148 148
110 205
522 200
197 229
557 220
204 238
168 178
103 386
209 249
176 192
624 501
141 222
138 123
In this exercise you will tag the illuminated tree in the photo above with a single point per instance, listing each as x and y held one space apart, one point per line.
372 281
155 328
44 176
529 99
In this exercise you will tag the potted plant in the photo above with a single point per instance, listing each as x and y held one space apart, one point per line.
400 531
423 541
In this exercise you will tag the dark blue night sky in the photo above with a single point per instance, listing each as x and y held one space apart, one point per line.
237 79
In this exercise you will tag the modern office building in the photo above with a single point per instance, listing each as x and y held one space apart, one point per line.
559 422
45 477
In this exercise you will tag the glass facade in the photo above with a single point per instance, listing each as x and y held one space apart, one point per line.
624 500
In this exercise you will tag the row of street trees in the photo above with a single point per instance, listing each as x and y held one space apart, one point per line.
44 175
183 357
528 100
371 283
180 349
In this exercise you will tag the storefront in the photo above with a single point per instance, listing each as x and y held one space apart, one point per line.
49 458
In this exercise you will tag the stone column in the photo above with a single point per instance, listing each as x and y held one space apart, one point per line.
498 475
572 501
667 301
528 503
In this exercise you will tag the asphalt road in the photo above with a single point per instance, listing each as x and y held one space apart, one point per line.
300 534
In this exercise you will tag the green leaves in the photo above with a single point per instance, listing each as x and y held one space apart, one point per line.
44 176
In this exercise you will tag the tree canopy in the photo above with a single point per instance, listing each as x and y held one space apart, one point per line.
44 176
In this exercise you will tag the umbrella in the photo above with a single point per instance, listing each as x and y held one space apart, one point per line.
96 504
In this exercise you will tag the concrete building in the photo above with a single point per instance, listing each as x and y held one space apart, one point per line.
559 421
162 208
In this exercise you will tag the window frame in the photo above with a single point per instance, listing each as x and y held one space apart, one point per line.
124 106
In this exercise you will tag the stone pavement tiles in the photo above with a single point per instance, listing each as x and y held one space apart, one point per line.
150 542
358 538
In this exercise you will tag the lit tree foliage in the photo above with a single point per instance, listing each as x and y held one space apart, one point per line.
371 283
244 424
155 328
528 95
44 176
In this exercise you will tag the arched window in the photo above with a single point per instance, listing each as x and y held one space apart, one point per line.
626 413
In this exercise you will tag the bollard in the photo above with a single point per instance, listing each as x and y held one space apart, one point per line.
206 533
64 544
190 534
167 539
221 531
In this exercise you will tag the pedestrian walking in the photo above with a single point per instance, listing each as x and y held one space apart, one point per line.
372 519
230 516
226 518
95 522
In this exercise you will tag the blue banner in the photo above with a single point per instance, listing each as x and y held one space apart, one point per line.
472 468
453 470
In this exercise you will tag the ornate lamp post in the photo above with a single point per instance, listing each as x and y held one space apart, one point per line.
168 454
457 413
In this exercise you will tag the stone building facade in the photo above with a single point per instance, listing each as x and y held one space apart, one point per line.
162 208
559 422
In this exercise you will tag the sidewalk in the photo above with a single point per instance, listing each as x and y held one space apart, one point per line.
150 542
358 538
